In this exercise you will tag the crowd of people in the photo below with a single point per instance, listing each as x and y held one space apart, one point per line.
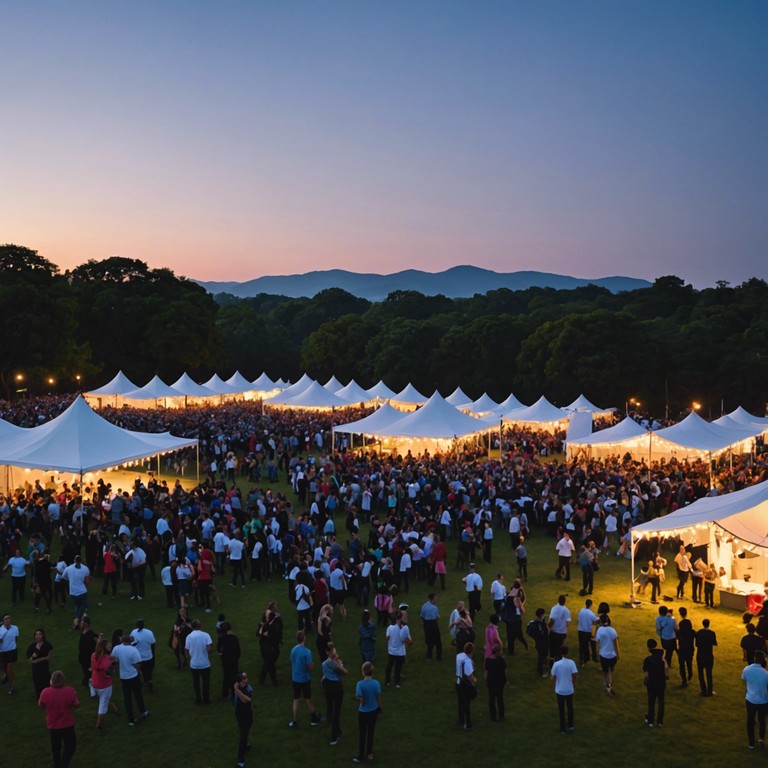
356 528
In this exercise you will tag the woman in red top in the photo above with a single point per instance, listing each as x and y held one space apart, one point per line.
59 702
101 678
111 566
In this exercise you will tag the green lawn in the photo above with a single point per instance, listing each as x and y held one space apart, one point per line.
418 721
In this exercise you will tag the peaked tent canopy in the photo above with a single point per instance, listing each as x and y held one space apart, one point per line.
624 437
381 391
582 404
218 386
458 398
435 419
483 404
291 391
380 419
353 393
744 417
190 388
79 441
239 382
410 396
696 434
119 385
541 412
510 404
333 385
313 396
264 384
154 389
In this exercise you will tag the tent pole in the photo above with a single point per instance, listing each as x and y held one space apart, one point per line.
197 462
632 552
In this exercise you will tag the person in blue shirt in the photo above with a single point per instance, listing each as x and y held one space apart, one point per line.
333 669
666 629
301 677
368 694
756 678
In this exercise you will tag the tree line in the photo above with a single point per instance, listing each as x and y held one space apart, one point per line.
666 346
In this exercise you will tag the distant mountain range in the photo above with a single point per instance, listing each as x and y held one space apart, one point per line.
457 282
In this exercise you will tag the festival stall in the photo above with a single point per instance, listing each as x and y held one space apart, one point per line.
458 399
354 394
111 393
408 399
734 530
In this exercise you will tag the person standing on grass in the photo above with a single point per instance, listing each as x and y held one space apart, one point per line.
197 649
129 661
430 616
706 640
683 566
367 637
685 645
521 553
17 565
59 702
270 634
564 548
466 685
368 695
9 652
559 618
228 648
750 643
101 679
86 645
495 675
333 670
538 630
666 629
498 593
235 549
655 676
144 641
242 702
474 586
39 654
301 677
78 576
756 678
585 621
608 639
564 672
398 639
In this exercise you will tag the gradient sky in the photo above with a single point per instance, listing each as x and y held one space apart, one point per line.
231 140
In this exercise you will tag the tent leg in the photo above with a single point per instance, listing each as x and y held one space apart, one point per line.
197 462
632 552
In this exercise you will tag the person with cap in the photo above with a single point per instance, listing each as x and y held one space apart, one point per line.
655 676
144 641
473 583
756 677
430 616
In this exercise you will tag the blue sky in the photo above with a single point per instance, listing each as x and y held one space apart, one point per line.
236 139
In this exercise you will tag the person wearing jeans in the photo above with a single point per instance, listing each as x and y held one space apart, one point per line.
129 660
197 648
368 695
564 673
756 677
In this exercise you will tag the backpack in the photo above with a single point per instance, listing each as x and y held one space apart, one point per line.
532 630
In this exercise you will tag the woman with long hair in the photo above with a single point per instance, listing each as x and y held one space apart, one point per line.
514 610
39 655
324 625
101 678
181 628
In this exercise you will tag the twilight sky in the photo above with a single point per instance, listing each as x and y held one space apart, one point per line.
235 139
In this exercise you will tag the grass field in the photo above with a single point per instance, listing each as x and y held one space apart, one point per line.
418 723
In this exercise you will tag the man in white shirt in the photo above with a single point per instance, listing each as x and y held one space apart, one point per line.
498 593
474 585
565 548
9 635
136 560
398 639
129 660
564 673
608 640
559 617
220 542
144 642
235 549
585 620
197 648
78 576
756 677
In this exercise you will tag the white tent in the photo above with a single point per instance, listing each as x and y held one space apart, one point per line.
382 418
582 404
189 388
239 382
409 397
698 437
264 384
625 437
579 425
541 412
353 394
79 441
750 429
313 396
745 417
119 385
218 386
154 390
333 385
733 526
484 404
435 419
458 399
510 404
280 384
381 391
288 392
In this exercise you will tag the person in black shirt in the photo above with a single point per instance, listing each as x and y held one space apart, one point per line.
655 676
228 648
495 682
706 640
243 696
750 643
685 644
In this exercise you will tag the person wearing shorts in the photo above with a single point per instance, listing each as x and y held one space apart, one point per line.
9 654
301 678
608 640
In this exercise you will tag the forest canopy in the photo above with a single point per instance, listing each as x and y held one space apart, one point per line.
665 344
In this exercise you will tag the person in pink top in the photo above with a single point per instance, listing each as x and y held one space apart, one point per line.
101 678
59 702
492 636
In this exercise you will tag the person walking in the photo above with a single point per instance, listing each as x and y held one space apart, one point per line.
9 652
473 583
559 618
368 695
756 677
513 612
333 670
301 677
17 565
39 654
495 676
59 702
144 641
78 577
242 702
466 685
683 566
564 672
129 660
706 640
686 636
655 676
398 639
197 649
586 561
270 634
607 639
585 621
430 616
666 629
538 631
101 679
